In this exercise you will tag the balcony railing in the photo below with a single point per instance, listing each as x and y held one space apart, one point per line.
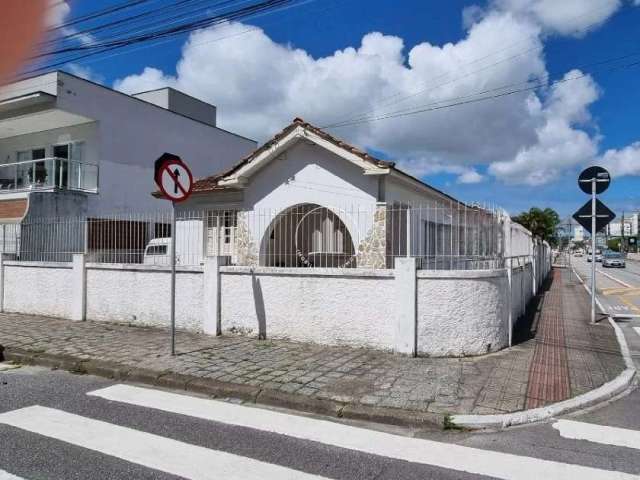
47 174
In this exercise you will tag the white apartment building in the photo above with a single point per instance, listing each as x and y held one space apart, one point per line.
71 147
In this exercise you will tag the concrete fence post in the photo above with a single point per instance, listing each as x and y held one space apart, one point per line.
405 340
212 324
79 284
2 282
534 269
506 234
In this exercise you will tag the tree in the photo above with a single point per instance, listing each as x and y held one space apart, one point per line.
542 223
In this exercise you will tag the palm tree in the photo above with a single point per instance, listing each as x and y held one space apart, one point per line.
542 223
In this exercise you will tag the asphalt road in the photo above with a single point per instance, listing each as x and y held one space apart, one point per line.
618 288
52 428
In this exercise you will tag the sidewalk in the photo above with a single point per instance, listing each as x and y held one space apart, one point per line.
559 356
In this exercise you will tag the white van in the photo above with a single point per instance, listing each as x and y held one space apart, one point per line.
189 246
158 252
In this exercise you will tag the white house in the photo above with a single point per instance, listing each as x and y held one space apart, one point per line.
71 147
306 198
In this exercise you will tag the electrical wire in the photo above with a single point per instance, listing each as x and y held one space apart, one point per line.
437 106
97 14
426 88
251 11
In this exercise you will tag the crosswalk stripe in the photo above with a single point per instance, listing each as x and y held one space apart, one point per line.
620 437
7 476
153 451
637 330
450 456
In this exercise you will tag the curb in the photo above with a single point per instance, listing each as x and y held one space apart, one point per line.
601 394
223 390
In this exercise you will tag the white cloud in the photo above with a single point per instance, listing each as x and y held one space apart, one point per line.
424 167
57 14
84 72
565 17
470 176
560 145
149 79
625 161
260 85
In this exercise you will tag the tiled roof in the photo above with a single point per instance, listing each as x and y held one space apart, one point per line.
209 184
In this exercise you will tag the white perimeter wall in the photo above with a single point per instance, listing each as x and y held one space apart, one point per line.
141 296
333 307
457 312
462 313
38 288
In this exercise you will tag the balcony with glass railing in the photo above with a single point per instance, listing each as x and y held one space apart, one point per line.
48 174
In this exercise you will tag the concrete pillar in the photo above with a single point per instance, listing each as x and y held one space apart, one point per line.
79 299
407 318
506 235
211 324
2 282
534 269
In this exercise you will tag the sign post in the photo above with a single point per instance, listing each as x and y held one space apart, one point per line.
175 181
593 181
593 250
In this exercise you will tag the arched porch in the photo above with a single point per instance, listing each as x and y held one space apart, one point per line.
307 235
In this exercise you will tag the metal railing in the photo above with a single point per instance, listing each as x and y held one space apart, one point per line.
48 173
440 237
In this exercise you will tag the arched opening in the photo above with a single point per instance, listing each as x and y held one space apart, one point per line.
307 235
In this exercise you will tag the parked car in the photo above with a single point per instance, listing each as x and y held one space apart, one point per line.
189 246
614 260
598 256
578 254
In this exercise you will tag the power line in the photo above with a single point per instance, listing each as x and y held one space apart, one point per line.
229 15
400 97
98 57
470 100
166 13
98 14
182 28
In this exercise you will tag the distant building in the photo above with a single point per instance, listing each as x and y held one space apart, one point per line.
627 226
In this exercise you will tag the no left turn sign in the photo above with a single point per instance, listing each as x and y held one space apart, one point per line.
174 180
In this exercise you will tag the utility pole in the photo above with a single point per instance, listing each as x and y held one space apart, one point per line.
622 245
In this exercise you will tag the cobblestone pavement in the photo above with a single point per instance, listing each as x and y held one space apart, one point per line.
500 382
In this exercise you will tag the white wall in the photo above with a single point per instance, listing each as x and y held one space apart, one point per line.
47 83
136 132
140 296
355 308
457 312
38 288
462 313
307 173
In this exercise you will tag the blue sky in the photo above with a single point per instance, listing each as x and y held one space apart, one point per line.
322 27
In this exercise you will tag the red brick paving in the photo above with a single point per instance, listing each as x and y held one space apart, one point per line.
549 370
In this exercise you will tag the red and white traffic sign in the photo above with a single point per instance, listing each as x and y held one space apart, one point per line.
175 180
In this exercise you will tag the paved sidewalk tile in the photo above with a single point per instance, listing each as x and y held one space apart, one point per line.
565 358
